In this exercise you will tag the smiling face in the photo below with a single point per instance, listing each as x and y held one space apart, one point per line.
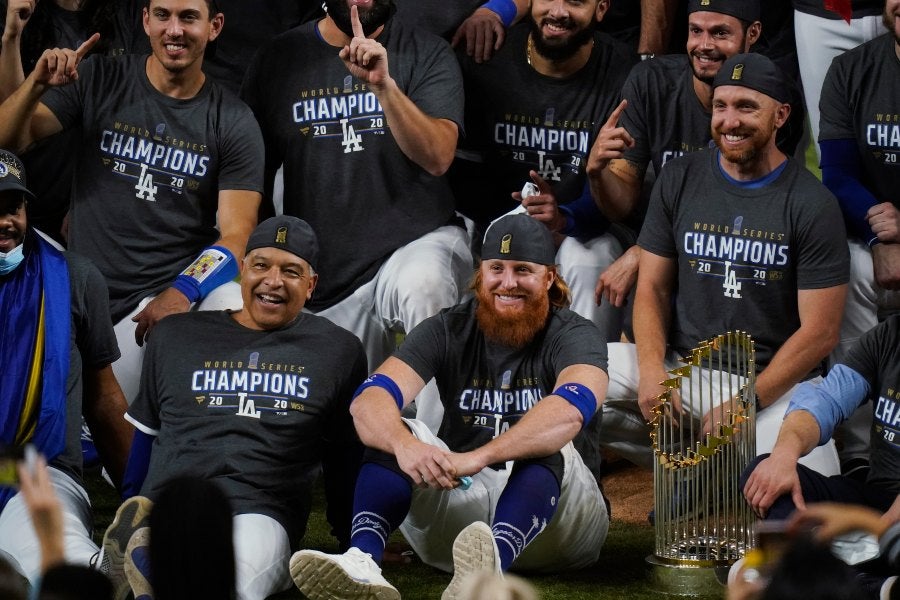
513 300
179 31
275 285
560 27
713 38
744 122
13 221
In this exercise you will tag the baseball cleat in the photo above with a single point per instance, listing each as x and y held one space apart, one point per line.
474 550
137 564
133 514
349 576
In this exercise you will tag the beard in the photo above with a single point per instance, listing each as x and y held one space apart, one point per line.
514 329
888 19
371 18
562 50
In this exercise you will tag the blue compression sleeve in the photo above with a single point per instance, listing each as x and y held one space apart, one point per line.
833 401
583 219
138 464
505 9
841 171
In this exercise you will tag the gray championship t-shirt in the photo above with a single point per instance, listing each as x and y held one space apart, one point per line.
486 387
877 358
343 170
742 254
518 120
254 411
145 193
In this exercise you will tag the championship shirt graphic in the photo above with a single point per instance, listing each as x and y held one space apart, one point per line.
347 113
737 254
883 138
250 388
495 408
887 417
552 146
153 160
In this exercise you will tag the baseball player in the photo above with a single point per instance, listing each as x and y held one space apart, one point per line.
256 400
860 146
737 237
168 182
532 113
519 375
57 348
379 102
668 105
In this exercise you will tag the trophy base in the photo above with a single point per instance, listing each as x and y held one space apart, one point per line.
694 579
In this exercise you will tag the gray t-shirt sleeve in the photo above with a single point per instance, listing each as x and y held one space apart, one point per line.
823 259
836 113
144 410
436 86
241 151
424 347
94 333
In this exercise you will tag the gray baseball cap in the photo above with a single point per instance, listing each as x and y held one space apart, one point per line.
519 237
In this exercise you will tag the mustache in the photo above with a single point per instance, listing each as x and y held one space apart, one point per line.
710 54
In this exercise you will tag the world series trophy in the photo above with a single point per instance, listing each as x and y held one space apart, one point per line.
702 522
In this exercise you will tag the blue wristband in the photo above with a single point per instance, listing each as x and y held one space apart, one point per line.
581 398
214 266
384 382
506 9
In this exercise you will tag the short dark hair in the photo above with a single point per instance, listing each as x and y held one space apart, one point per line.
211 6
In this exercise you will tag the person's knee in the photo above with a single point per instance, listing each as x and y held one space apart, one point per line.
745 474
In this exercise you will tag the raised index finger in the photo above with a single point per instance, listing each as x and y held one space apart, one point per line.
355 22
613 120
87 45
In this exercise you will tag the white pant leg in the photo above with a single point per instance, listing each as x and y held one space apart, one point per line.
19 542
128 368
623 429
819 40
418 281
572 539
581 264
261 555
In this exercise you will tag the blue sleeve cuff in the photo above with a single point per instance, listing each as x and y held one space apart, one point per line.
583 219
506 9
833 400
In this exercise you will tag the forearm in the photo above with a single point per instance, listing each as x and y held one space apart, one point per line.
798 436
653 306
378 422
616 189
104 409
11 73
798 356
657 19
544 429
427 141
16 114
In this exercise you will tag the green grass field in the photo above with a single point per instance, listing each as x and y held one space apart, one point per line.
621 571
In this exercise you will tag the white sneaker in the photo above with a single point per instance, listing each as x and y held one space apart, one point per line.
133 514
352 575
474 550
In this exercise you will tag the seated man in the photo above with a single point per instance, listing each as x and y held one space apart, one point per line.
256 400
737 237
775 484
57 346
518 374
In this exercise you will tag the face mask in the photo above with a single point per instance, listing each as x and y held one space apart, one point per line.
10 260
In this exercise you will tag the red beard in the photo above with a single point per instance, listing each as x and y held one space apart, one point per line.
511 328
